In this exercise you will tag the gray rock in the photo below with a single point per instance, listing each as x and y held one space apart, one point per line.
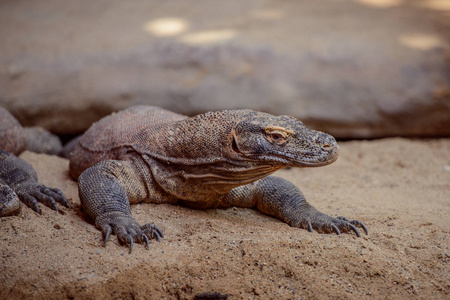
352 69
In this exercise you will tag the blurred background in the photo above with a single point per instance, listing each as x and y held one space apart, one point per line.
352 68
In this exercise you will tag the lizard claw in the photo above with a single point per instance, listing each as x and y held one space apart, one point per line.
127 229
147 243
338 232
106 233
310 229
352 227
355 223
131 242
33 192
360 224
153 231
323 223
30 201
57 195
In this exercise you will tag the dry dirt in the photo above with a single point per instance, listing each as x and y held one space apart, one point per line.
399 188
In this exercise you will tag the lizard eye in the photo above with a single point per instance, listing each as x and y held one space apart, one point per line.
277 135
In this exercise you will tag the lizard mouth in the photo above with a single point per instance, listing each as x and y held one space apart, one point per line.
324 155
305 159
322 159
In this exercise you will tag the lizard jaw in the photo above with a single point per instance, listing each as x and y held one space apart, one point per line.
302 160
323 151
328 155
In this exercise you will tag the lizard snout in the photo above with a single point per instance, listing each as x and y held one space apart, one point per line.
328 145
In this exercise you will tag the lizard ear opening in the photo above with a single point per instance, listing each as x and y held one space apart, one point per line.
234 145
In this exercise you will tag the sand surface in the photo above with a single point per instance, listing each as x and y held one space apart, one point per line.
399 188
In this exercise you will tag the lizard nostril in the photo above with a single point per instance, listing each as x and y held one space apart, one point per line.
326 147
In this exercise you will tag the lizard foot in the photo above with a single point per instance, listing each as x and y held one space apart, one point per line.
127 229
355 223
9 202
33 192
323 223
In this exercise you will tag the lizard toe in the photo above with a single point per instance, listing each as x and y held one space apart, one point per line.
127 235
127 229
44 199
310 229
9 201
338 232
131 243
30 201
355 223
354 229
347 226
57 195
126 239
152 231
106 230
31 193
145 239
323 223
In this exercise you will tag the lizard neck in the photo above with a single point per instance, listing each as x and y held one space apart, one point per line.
201 140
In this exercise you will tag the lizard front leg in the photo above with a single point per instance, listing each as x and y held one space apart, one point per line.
106 190
9 201
19 180
280 198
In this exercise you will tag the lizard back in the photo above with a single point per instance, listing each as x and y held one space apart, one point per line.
114 135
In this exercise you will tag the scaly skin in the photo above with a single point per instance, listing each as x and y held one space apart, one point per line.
39 140
12 135
218 159
18 180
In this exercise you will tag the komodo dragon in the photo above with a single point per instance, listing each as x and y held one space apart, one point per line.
18 179
213 160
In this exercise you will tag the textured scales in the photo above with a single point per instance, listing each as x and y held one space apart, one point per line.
12 135
18 179
217 159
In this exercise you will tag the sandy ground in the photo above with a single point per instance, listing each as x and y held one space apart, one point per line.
399 188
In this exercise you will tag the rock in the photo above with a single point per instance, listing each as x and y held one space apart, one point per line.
355 69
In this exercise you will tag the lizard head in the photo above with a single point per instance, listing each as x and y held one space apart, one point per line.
282 141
